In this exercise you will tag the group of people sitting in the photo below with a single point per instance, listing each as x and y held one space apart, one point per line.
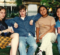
23 31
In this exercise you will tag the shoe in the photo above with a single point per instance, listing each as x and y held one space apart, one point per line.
39 53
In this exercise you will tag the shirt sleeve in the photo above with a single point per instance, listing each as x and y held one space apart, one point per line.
10 22
37 24
53 21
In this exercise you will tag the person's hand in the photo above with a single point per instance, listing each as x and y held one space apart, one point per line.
41 36
15 25
31 22
10 30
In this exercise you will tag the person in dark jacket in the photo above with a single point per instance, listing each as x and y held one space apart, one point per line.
4 29
25 26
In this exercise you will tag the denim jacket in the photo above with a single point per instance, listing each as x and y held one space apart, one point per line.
23 25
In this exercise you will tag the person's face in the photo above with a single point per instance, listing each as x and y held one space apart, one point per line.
22 13
58 12
43 11
2 14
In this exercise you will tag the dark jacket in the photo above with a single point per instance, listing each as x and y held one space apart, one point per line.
23 25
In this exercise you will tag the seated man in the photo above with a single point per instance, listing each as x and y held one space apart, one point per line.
26 31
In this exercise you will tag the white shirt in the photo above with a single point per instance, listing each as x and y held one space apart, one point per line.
22 18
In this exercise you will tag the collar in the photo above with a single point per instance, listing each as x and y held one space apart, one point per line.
24 18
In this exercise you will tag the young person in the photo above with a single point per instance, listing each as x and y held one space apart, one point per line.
57 26
45 31
26 30
4 29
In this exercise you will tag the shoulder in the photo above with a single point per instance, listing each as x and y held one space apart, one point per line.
51 17
57 22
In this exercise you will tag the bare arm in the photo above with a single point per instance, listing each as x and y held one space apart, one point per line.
37 34
7 30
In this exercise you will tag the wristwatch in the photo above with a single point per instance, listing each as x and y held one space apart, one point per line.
37 39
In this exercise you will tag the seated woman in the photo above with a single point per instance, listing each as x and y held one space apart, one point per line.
45 31
57 26
4 29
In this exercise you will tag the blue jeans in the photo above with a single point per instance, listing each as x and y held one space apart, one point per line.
22 45
58 40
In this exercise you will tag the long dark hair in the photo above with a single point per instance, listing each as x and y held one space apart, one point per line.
5 11
42 6
56 13
3 21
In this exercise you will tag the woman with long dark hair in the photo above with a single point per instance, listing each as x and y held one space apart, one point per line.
45 31
8 32
57 26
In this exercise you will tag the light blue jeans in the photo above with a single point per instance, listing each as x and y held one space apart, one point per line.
22 45
58 40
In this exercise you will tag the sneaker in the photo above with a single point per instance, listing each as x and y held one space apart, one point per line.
39 53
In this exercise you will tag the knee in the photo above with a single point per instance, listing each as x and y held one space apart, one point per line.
49 34
50 45
16 35
21 45
34 46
